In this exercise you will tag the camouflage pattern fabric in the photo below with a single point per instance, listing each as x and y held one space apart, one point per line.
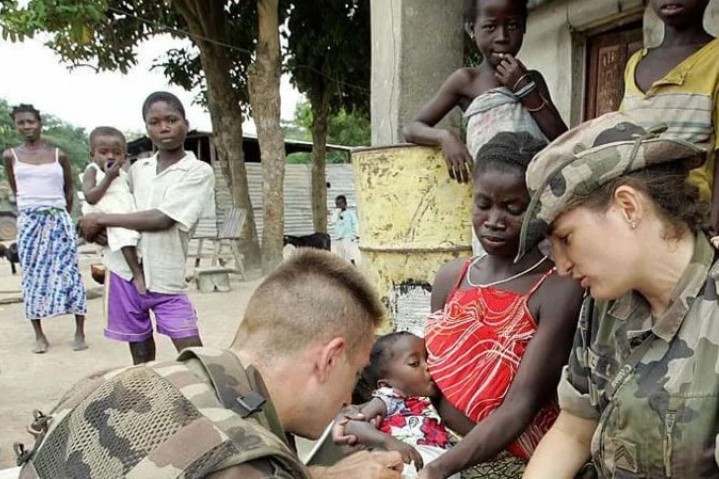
588 156
504 466
662 420
162 420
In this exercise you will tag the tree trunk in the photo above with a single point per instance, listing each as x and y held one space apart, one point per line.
320 115
264 86
206 21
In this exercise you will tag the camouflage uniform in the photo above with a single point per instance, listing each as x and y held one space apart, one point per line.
662 420
658 416
165 420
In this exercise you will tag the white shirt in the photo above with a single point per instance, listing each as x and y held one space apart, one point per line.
117 200
181 192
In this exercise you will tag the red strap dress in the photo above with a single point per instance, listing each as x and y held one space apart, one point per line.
474 348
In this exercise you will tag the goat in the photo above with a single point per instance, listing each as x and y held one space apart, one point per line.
315 240
11 254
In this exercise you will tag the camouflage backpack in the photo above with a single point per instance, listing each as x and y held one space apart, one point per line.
161 421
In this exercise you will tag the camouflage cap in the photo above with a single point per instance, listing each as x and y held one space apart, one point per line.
588 156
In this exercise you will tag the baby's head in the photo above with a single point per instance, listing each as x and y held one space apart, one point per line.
399 361
107 145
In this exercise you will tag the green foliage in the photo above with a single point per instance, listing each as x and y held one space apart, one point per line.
328 50
344 128
105 34
347 128
70 139
299 158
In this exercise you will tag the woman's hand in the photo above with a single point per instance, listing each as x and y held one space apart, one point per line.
459 161
510 71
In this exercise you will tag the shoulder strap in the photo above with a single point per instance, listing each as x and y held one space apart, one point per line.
14 155
236 388
231 382
540 281
627 367
57 155
465 271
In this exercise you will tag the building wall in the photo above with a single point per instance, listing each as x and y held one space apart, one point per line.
556 38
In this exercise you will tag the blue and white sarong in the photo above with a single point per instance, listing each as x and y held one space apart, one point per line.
47 247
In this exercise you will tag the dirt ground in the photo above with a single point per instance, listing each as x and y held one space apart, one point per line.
31 381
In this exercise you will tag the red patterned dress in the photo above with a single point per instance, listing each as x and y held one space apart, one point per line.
475 345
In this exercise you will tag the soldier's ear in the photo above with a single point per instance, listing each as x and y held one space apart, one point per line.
332 357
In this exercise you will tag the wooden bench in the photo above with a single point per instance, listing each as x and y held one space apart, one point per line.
213 278
226 246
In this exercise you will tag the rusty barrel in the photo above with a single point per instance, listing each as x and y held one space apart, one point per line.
412 218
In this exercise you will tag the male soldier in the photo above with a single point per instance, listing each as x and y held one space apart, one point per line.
305 336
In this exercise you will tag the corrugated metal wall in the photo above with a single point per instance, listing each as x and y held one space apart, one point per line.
298 206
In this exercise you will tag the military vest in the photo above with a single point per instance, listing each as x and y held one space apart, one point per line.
187 418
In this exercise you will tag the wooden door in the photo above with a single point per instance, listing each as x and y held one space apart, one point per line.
607 55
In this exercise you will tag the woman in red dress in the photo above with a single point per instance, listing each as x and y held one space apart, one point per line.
502 330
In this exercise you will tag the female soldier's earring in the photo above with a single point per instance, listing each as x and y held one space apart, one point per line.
633 224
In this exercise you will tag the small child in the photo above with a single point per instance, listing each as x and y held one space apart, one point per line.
106 191
398 387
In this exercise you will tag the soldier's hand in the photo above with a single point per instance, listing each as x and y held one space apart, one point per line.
364 465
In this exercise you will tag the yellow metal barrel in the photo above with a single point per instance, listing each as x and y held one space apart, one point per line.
412 218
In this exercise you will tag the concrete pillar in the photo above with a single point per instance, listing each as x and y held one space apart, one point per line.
416 44
654 28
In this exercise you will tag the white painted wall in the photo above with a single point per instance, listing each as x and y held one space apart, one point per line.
556 36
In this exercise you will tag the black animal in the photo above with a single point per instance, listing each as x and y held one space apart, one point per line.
315 240
10 253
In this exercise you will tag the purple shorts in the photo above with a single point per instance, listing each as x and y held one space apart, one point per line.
128 313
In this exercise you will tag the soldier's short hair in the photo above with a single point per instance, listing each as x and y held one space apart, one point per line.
313 295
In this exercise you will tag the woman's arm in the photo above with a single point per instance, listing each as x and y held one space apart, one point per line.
10 170
563 450
534 384
67 183
422 129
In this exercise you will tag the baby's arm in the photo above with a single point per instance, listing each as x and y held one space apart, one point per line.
365 432
369 436
94 191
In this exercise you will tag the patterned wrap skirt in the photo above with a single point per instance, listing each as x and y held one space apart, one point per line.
47 247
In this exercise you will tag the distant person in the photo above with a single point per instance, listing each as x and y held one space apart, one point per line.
40 176
105 189
346 231
216 414
171 189
499 95
677 83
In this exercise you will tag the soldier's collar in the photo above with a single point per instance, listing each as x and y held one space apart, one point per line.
688 288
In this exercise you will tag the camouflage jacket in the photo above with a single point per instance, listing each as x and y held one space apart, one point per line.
164 420
662 420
